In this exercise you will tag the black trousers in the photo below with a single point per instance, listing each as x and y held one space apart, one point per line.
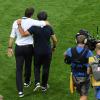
43 60
23 56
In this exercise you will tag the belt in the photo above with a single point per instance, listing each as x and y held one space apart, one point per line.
24 45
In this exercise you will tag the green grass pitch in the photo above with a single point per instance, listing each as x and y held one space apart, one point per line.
66 17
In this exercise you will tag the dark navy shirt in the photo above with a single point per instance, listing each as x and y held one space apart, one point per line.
41 36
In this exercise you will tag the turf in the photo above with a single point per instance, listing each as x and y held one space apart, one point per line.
66 17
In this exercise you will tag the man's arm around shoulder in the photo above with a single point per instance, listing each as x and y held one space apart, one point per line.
22 32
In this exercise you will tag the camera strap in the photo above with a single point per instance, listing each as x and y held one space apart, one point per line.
79 57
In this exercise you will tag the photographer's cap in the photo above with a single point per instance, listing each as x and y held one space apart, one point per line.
98 46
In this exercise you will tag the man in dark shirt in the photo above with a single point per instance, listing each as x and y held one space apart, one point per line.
42 49
41 36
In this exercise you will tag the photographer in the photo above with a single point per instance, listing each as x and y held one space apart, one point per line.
77 57
94 62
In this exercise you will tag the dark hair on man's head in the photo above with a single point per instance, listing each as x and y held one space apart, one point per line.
29 12
80 39
42 15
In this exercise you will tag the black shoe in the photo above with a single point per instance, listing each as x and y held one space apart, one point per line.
44 89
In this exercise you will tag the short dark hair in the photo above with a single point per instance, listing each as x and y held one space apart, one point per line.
42 15
29 12
83 32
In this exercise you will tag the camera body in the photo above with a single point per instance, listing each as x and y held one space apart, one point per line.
91 41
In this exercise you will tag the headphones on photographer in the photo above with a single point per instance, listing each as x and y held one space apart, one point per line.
78 34
85 40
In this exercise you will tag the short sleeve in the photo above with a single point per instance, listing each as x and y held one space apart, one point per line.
31 30
68 52
13 31
90 54
51 30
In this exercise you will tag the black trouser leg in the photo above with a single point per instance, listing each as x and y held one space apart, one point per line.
23 53
27 74
45 69
37 66
28 63
19 68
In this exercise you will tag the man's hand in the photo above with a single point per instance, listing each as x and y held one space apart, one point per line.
10 45
10 52
1 97
47 23
53 49
19 21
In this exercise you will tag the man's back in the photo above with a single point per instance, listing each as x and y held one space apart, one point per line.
84 57
26 23
41 37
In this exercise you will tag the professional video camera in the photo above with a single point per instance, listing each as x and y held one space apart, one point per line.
91 40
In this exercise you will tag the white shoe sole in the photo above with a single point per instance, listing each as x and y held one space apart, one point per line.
21 96
26 86
37 88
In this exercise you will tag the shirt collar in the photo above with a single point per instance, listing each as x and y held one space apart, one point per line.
24 17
